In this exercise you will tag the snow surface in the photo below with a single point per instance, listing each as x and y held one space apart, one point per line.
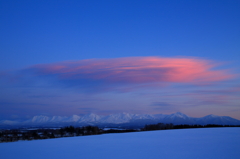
206 143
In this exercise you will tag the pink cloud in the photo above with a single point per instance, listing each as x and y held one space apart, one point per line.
137 70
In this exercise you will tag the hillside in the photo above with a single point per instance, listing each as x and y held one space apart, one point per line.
205 143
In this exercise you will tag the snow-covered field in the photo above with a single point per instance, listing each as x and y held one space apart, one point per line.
220 143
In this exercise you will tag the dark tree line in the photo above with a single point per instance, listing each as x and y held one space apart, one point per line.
70 131
15 135
162 126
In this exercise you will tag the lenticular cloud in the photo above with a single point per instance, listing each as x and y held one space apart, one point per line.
136 70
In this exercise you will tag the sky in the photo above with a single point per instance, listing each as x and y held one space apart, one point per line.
65 57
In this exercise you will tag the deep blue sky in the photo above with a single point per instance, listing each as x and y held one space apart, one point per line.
46 32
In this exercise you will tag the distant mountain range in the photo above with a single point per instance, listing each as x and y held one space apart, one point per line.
120 120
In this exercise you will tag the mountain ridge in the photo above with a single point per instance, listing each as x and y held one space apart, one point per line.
123 118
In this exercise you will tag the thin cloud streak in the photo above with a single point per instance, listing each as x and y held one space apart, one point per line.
136 70
132 84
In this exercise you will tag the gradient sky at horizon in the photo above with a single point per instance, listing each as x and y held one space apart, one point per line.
63 57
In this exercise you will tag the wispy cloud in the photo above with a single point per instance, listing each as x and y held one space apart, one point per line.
160 104
135 70
86 86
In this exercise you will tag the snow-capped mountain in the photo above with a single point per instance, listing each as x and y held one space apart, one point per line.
123 118
40 119
73 118
179 118
117 118
214 119
89 118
